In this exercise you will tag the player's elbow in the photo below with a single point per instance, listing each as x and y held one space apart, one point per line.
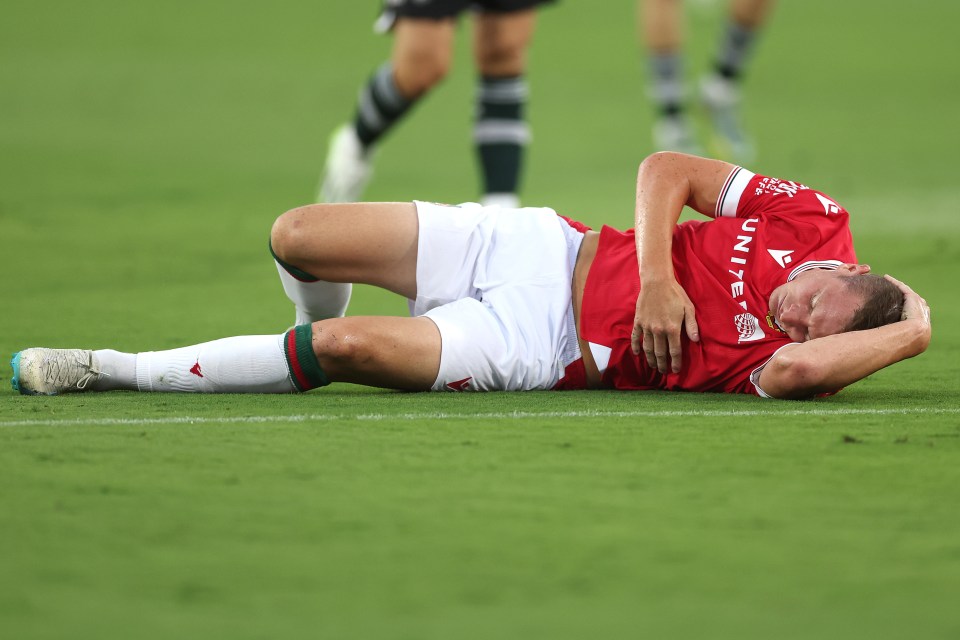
790 376
669 168
656 161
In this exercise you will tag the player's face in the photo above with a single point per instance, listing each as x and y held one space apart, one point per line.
815 304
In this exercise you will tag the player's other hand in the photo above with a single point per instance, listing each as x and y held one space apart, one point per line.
916 310
663 311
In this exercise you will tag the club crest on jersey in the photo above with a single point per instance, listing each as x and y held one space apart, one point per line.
829 206
772 323
748 327
782 257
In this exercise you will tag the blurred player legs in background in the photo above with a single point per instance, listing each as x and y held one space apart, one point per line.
661 30
422 53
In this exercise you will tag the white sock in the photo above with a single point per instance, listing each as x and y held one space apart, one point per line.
318 300
242 364
119 370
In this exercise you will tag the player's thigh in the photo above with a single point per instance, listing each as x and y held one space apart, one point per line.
501 40
422 53
390 352
370 243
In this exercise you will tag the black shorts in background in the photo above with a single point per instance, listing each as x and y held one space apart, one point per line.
441 9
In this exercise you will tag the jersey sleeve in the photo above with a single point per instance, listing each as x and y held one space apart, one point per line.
746 194
574 224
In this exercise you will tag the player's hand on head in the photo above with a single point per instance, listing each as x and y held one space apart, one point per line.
916 312
914 307
663 311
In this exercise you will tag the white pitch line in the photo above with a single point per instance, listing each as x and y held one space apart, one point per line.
513 415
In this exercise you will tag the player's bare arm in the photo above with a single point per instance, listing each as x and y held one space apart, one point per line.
666 182
828 364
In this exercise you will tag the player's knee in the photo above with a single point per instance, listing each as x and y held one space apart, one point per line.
423 70
340 348
288 237
503 61
503 56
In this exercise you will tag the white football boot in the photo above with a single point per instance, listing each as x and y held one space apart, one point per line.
673 133
721 97
50 372
348 167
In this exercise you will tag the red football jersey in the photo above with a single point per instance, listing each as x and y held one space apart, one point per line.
765 232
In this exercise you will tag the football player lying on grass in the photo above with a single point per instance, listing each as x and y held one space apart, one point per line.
766 298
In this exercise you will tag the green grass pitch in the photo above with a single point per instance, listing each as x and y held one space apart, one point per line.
145 151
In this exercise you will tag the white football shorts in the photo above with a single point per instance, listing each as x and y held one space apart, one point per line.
497 283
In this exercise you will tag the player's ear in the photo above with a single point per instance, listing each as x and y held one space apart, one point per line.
854 269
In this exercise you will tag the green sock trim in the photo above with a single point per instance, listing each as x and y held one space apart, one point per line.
299 274
305 369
